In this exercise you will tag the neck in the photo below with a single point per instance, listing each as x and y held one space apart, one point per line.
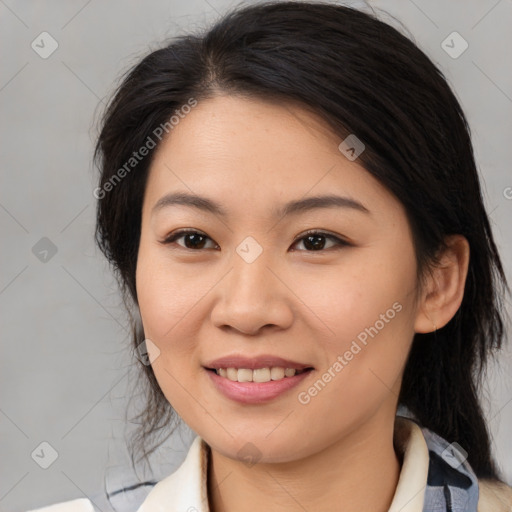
358 472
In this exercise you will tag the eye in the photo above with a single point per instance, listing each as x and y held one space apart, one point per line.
314 241
192 239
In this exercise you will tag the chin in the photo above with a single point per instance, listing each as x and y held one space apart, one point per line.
253 446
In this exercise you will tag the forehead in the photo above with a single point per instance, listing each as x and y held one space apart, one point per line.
245 151
231 127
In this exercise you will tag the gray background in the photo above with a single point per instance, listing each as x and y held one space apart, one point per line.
65 369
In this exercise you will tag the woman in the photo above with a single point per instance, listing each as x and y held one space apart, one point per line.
291 203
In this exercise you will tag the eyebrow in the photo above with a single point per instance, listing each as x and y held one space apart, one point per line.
293 207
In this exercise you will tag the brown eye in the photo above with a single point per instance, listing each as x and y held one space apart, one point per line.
316 241
191 239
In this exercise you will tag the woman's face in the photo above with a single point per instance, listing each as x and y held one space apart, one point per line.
254 289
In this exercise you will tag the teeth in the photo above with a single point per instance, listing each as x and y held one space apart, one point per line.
244 375
261 375
232 373
258 375
277 373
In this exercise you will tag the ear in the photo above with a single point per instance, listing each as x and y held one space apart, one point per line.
444 287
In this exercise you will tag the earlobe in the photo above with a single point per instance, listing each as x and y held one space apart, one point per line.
444 287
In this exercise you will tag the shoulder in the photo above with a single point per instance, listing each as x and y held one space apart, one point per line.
79 505
450 475
495 496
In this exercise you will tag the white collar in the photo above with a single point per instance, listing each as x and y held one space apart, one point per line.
185 490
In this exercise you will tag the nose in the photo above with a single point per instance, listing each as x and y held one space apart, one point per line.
252 297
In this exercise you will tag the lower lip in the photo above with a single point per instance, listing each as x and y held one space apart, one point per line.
255 392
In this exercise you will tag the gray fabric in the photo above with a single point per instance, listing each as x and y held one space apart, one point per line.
452 486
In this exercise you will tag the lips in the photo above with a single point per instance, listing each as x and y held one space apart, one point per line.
256 380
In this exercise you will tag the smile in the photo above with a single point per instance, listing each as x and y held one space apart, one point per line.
257 375
256 386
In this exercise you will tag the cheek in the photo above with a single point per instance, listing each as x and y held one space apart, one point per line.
366 290
169 302
368 306
167 293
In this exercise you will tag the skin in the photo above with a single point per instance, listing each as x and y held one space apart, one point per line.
292 301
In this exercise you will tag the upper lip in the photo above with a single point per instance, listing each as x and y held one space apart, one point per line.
252 363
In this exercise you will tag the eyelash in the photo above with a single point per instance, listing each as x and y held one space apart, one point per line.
180 233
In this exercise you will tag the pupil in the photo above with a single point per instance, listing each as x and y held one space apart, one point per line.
190 236
317 244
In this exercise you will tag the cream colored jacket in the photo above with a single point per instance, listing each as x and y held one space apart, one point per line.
186 491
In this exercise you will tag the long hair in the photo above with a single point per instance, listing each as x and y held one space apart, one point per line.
363 77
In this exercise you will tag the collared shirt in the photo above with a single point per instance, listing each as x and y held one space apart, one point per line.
434 477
